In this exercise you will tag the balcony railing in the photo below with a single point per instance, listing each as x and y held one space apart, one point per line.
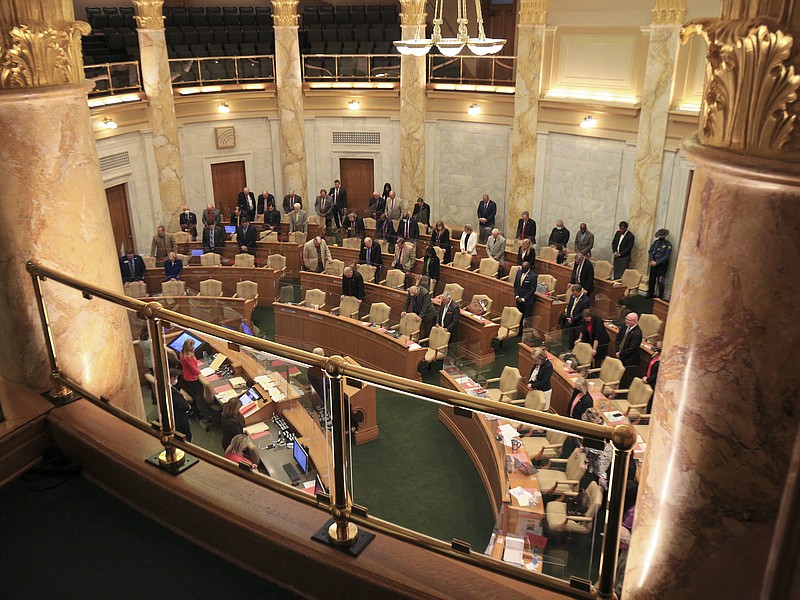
113 78
222 70
472 70
373 68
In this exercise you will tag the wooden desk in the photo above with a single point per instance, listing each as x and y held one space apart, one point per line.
661 309
475 335
501 292
306 328
332 285
214 306
312 437
263 250
362 399
605 297
268 280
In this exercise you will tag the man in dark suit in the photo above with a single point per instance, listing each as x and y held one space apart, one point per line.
272 219
289 200
418 301
132 267
352 283
558 239
407 227
371 255
447 316
487 210
573 314
247 203
264 200
377 205
339 202
422 214
526 227
628 341
213 239
622 246
246 237
354 225
188 222
525 289
384 230
583 273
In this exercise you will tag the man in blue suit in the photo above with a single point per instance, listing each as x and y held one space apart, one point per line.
525 289
487 210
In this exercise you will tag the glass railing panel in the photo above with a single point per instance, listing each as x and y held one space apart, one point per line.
351 67
466 69
114 78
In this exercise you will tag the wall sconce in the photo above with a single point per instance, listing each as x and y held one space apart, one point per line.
354 104
588 122
223 108
108 123
474 109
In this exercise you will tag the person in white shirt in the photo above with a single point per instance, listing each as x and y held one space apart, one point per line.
469 241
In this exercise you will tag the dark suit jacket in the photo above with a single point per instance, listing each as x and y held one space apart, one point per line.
599 333
526 230
525 285
288 203
272 219
487 212
529 256
244 206
355 227
180 409
262 206
626 247
442 240
375 256
579 306
219 238
542 381
558 238
341 199
430 267
353 286
422 213
188 221
207 218
385 230
413 229
587 275
420 304
450 319
629 353
247 237
238 220
133 270
584 403
379 206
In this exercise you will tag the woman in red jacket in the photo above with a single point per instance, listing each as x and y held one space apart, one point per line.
191 378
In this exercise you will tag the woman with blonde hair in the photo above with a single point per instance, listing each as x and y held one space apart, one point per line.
242 449
542 371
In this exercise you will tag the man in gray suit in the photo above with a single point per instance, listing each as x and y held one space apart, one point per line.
298 220
584 241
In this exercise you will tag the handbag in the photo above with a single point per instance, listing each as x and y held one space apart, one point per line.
476 308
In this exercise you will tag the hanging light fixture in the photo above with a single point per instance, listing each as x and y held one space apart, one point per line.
482 45
450 46
418 45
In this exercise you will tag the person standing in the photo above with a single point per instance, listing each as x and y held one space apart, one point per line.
247 203
622 246
584 240
496 249
487 210
188 222
525 289
628 341
191 380
323 205
559 238
595 334
211 215
583 273
264 200
526 252
232 422
526 227
298 220
573 314
394 207
132 267
213 238
440 237
354 226
246 237
418 301
448 315
422 214
272 220
404 256
289 200
162 244
180 407
352 284
172 267
469 241
316 255
430 268
542 371
370 254
659 255
408 228
339 196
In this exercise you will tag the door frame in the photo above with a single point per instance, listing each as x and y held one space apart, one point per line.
337 154
131 199
249 172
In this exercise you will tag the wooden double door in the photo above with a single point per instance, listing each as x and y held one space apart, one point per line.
358 179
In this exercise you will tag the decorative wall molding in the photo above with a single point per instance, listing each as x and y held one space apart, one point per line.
285 13
225 137
532 12
149 14
669 12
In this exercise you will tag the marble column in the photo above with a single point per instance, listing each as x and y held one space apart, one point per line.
157 82
413 83
530 41
726 409
662 53
49 166
289 86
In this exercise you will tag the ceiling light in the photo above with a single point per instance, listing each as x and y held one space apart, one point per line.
474 109
354 104
108 123
588 122
223 108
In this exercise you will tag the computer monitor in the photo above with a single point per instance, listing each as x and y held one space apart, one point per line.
249 396
300 456
178 342
198 252
319 487
246 329
230 229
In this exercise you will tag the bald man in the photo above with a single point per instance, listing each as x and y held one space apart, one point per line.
628 340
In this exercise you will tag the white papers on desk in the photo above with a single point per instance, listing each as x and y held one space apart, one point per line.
207 372
509 433
614 416
217 362
513 550
252 430
414 346
237 382
264 381
225 396
523 496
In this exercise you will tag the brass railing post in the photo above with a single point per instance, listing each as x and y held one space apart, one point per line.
623 439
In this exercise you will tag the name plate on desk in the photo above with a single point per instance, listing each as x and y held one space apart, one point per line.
317 317
288 310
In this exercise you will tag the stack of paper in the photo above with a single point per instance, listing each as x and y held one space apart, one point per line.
237 382
523 496
513 550
207 372
258 430
263 380
509 433
225 396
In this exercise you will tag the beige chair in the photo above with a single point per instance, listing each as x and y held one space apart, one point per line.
395 278
558 519
603 269
184 258
565 483
348 307
549 446
173 288
277 262
384 246
367 272
314 299
313 220
244 260
268 236
211 287
610 372
650 326
583 352
456 292
637 397
334 267
485 301
462 261
287 293
506 390
438 341
534 400
509 320
512 274
630 280
136 289
548 253
149 261
297 237
247 290
351 242
550 281
369 223
513 245
210 259
409 326
379 313
489 267
182 237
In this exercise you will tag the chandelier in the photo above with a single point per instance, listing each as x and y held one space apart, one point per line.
480 45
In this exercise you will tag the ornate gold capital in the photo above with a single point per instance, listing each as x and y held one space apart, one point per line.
532 12
284 12
669 12
412 12
749 105
149 14
38 55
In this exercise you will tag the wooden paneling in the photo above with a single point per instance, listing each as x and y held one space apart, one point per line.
358 180
228 180
120 218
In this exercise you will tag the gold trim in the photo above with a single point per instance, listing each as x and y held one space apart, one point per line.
149 14
285 13
669 12
532 12
38 55
412 12
751 86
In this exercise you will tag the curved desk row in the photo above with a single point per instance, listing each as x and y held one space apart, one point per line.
263 249
268 280
208 308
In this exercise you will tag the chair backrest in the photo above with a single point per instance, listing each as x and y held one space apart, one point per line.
269 236
649 324
246 289
351 242
640 392
384 246
611 369
583 352
513 245
603 269
556 437
550 281
244 260
395 278
509 379
315 297
149 261
334 267
287 293
369 223
456 292
367 272
462 261
182 237
512 273
379 312
184 258
548 253
276 261
439 253
297 237
211 287
409 326
136 289
489 266
173 288
535 400
595 494
439 337
485 301
631 278
349 307
574 467
510 317
312 220
210 259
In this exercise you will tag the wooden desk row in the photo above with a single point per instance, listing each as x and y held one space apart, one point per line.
268 280
208 308
263 250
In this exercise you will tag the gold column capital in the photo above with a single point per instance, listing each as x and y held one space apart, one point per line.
285 12
532 12
149 14
669 12
412 12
